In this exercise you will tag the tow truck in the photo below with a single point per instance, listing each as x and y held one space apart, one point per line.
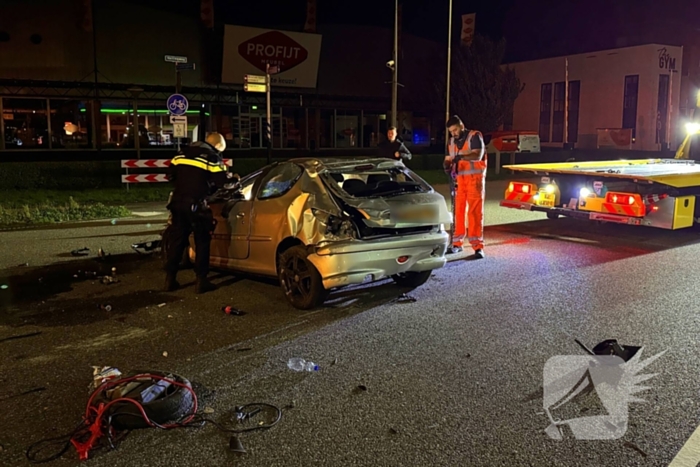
660 193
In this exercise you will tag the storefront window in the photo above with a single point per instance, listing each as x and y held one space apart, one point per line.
325 129
71 124
26 125
294 128
347 129
155 129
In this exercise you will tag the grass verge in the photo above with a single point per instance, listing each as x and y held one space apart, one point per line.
48 212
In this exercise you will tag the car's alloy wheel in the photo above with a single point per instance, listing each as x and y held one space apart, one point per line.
301 282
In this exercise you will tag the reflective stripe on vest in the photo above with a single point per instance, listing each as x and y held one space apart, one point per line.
453 146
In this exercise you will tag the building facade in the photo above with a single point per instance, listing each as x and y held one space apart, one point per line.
75 79
628 98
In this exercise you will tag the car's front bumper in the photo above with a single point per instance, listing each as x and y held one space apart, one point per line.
358 261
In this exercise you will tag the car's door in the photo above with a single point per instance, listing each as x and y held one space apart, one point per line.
270 215
231 236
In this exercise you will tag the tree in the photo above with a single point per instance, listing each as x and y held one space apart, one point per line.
482 91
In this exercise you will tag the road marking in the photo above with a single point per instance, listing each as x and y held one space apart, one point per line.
689 455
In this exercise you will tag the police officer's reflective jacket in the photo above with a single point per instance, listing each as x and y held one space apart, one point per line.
197 172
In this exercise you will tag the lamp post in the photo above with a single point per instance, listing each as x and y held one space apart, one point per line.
395 67
137 130
449 57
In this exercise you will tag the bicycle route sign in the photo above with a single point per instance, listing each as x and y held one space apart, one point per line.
177 104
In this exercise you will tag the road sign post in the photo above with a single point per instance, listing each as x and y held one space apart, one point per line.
268 128
177 105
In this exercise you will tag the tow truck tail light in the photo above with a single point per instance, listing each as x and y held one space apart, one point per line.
624 199
521 187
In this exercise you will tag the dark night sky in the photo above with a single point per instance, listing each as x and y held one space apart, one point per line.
534 28
426 18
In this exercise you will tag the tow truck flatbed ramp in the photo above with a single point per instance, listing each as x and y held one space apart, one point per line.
672 172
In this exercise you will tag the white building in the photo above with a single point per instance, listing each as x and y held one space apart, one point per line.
609 91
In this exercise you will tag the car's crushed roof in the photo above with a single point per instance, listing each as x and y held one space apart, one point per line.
318 164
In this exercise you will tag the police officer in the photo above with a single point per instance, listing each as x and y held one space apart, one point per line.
197 172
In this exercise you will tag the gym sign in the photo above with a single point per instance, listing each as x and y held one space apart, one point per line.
666 62
247 51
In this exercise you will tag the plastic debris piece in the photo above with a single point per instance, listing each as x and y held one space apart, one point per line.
80 252
235 445
393 431
361 388
114 222
208 410
161 305
170 316
229 310
403 298
105 307
636 448
100 375
165 354
146 247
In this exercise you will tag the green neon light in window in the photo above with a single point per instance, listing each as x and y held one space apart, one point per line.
142 111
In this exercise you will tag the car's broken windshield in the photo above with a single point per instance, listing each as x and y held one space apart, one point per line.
370 183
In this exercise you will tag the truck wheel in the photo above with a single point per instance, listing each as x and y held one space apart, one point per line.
552 215
412 279
300 280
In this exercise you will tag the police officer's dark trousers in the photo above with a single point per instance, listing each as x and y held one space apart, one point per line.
185 222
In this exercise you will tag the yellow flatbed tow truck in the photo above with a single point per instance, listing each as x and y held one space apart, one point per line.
660 193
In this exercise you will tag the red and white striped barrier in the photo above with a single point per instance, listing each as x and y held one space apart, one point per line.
154 163
149 164
144 178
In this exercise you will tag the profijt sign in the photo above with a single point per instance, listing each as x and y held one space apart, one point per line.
247 51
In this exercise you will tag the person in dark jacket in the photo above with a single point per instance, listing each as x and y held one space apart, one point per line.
393 148
197 172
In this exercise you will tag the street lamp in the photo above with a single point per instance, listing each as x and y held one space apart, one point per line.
395 65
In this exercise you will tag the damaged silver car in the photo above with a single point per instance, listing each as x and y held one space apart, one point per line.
321 223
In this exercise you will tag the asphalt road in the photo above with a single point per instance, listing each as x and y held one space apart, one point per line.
454 378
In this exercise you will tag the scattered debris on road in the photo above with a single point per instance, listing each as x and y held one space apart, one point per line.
360 388
80 252
393 431
105 307
636 448
30 391
404 298
161 305
235 445
146 247
208 410
229 310
165 354
611 347
20 336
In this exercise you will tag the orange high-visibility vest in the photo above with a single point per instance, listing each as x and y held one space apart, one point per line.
465 167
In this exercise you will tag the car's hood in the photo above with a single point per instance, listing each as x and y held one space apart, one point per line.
403 211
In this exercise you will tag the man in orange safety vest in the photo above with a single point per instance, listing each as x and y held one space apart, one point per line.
466 164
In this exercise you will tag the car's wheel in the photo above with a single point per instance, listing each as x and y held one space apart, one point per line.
299 279
412 279
552 215
165 246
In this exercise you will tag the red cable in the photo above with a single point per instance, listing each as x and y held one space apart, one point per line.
95 426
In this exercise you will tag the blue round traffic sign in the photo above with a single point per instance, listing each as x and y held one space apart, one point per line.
177 104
